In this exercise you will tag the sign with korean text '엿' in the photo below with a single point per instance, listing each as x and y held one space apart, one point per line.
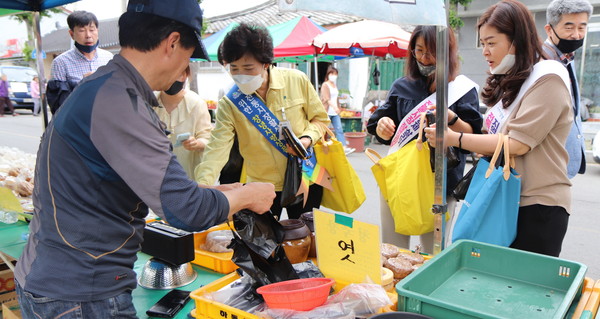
347 250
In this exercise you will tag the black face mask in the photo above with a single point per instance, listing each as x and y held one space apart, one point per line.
86 48
567 46
175 88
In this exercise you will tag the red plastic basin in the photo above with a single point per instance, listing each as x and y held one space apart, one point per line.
297 294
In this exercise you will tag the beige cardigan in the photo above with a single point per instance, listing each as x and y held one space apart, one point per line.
190 116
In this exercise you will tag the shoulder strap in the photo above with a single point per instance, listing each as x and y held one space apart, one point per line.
496 118
255 110
409 126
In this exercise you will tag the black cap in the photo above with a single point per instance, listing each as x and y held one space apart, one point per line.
187 12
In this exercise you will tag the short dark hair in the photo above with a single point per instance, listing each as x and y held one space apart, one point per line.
428 33
144 32
246 38
81 19
513 19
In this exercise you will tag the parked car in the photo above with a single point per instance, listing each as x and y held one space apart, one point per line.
19 78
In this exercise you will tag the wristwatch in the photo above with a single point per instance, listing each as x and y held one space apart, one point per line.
453 121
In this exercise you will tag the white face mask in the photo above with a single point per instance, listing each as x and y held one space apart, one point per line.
248 84
508 61
333 78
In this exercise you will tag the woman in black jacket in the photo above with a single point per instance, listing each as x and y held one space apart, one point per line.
405 94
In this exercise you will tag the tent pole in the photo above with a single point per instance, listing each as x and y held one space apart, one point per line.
40 66
440 207
316 70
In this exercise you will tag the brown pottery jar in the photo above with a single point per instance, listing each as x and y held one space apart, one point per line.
296 241
308 219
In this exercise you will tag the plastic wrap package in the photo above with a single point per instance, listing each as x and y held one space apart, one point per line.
16 173
217 241
239 294
352 301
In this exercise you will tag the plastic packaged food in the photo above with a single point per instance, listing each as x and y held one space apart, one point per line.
217 241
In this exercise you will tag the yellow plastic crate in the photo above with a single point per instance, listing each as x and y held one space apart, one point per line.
209 309
591 307
219 262
586 292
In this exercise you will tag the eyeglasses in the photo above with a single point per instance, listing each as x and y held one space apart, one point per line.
419 54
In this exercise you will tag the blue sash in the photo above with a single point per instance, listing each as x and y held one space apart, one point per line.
260 116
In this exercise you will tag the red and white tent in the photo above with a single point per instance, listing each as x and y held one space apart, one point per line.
373 37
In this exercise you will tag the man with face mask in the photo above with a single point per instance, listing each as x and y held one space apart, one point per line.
185 114
69 68
566 27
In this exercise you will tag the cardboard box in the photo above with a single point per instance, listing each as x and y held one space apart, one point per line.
7 280
11 310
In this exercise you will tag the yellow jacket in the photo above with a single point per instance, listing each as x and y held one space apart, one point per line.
289 89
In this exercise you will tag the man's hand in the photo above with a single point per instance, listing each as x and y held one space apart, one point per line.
257 197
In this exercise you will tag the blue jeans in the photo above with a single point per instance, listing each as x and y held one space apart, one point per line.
337 128
36 307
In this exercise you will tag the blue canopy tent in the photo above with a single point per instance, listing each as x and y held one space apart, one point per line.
36 6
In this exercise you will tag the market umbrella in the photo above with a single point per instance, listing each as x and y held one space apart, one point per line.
292 40
373 37
413 12
36 6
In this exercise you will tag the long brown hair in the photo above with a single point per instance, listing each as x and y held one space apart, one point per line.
513 19
428 33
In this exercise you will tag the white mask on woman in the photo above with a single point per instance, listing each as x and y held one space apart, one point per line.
508 61
333 78
248 84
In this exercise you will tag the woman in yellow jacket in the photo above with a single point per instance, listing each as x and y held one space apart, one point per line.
247 54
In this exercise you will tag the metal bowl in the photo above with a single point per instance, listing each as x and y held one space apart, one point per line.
158 274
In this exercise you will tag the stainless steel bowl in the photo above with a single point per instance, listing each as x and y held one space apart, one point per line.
158 274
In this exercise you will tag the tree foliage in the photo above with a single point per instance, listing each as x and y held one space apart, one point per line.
453 19
27 19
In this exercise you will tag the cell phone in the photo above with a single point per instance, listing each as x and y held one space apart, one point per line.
182 138
169 304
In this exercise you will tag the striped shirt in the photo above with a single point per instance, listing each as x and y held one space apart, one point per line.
72 65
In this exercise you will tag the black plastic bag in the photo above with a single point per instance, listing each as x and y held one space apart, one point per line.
257 248
291 182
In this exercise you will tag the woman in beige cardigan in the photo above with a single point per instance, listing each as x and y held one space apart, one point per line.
183 111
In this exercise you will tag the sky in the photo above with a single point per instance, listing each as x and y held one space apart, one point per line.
106 9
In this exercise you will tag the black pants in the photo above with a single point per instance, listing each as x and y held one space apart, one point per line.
541 229
315 193
5 101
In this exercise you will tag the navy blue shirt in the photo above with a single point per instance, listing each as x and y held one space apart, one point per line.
103 161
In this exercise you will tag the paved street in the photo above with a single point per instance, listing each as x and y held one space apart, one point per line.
581 243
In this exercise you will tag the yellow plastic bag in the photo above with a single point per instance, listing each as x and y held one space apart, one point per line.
348 192
407 184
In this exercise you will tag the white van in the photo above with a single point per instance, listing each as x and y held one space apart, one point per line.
19 78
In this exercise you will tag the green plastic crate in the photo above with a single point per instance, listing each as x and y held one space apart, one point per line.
476 280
